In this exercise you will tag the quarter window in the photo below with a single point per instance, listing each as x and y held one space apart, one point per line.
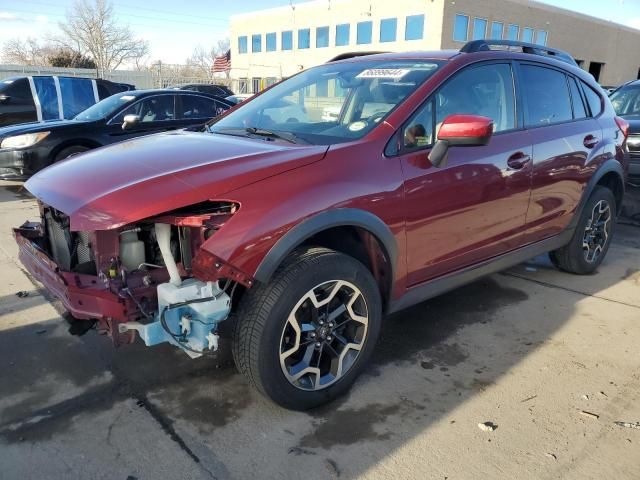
364 33
496 30
546 94
322 37
527 35
513 32
414 27
418 133
579 111
388 29
304 38
256 43
479 28
461 28
286 40
270 40
485 90
593 100
242 44
342 35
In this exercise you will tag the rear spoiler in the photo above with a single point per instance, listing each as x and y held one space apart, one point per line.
345 56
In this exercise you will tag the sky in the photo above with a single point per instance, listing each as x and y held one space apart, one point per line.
175 28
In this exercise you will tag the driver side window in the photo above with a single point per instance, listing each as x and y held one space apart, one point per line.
152 109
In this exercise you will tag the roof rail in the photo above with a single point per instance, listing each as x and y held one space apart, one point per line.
345 56
484 45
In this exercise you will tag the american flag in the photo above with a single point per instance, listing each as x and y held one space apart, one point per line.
222 63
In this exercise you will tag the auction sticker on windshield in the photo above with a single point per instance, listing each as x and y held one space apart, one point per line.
393 73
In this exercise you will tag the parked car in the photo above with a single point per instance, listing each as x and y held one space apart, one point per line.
298 237
626 103
27 148
213 89
45 97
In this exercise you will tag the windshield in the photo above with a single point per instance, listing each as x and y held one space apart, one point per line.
105 108
626 101
332 103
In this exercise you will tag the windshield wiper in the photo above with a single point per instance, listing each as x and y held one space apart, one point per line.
261 132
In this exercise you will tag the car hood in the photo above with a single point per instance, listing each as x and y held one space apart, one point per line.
130 181
34 127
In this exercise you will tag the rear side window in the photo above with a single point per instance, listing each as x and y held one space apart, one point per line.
77 95
593 99
48 97
198 107
546 93
579 110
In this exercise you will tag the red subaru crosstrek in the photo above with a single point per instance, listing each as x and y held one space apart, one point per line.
351 190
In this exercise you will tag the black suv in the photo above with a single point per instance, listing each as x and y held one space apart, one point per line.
626 103
45 97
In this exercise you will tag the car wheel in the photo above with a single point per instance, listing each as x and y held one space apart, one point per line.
592 237
303 338
70 151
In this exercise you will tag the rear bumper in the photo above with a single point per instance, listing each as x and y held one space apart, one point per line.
86 297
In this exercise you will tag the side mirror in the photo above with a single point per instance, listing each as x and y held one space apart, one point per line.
4 98
130 121
460 131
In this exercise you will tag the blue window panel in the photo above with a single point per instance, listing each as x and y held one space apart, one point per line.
388 29
270 40
461 28
256 43
541 37
479 28
322 37
527 35
48 97
286 40
364 33
414 27
342 34
77 95
513 32
304 38
496 30
242 44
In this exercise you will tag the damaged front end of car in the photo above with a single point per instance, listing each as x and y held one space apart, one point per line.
151 277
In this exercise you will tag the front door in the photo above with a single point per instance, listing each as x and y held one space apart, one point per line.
474 207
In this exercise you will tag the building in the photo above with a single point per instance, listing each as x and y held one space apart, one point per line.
267 45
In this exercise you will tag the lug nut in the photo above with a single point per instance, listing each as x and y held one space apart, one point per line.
329 338
318 344
321 322
313 335
330 324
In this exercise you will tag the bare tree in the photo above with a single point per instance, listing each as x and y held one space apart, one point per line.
92 29
27 52
203 58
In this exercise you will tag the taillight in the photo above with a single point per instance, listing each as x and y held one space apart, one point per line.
623 125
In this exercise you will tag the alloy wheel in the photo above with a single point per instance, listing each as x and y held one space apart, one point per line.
596 232
324 335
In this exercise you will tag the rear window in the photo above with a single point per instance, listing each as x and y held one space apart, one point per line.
547 99
593 99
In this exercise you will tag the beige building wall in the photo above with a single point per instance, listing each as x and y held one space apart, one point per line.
586 38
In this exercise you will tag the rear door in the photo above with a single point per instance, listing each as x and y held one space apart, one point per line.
474 208
564 136
196 109
16 102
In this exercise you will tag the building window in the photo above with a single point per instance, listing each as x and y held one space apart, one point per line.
364 33
513 32
286 40
256 43
243 85
541 37
304 38
479 28
270 81
496 30
322 37
242 44
342 35
527 35
322 88
414 27
580 63
256 83
270 40
461 28
388 29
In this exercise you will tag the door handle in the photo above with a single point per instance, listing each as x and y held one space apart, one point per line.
518 160
590 141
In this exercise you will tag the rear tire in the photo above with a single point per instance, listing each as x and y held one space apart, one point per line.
303 338
592 237
70 151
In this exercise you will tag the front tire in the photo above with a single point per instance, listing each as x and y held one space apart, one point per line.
592 237
303 338
70 151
